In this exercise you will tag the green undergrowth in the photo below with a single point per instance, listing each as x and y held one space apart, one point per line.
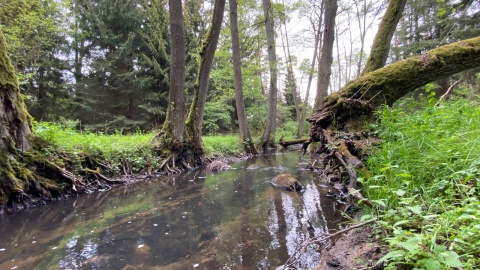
134 152
425 181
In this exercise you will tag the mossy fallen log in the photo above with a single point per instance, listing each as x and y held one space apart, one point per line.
345 112
360 97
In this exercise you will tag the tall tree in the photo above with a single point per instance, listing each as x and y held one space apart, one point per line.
381 45
174 125
268 137
314 13
37 42
292 98
311 70
326 58
197 108
112 84
15 130
362 9
245 137
15 122
155 60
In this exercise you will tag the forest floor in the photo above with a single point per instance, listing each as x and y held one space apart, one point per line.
356 249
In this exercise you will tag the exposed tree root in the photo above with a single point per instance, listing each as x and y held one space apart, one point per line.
168 166
98 175
320 240
339 152
74 181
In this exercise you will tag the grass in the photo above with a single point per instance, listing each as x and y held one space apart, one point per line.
134 150
425 179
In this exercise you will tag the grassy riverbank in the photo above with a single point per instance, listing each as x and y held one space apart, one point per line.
425 180
133 152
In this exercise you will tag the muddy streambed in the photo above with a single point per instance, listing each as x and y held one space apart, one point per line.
229 220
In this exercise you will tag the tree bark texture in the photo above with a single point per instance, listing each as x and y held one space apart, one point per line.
362 96
175 121
381 45
197 109
272 95
15 122
326 58
245 137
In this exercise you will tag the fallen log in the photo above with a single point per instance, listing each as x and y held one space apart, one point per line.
286 144
351 109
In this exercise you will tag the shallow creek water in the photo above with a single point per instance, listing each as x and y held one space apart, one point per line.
229 220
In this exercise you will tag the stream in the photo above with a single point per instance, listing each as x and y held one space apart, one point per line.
232 219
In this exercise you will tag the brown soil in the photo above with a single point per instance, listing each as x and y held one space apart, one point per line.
357 249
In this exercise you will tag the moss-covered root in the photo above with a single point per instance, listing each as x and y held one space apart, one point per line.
20 187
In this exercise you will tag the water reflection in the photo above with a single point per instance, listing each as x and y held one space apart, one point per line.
230 220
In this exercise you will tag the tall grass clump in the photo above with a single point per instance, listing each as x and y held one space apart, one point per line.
425 179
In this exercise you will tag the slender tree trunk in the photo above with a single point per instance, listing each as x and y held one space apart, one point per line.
270 128
245 137
197 108
326 59
310 77
291 83
381 45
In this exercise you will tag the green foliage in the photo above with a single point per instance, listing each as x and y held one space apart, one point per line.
288 130
426 178
222 144
256 116
217 117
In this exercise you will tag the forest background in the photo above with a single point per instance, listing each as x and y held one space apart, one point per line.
104 67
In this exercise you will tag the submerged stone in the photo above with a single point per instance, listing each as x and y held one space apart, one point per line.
287 182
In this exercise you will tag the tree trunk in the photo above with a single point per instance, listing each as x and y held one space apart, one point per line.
245 137
173 128
15 122
325 63
381 45
318 37
197 108
362 96
270 128
291 96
